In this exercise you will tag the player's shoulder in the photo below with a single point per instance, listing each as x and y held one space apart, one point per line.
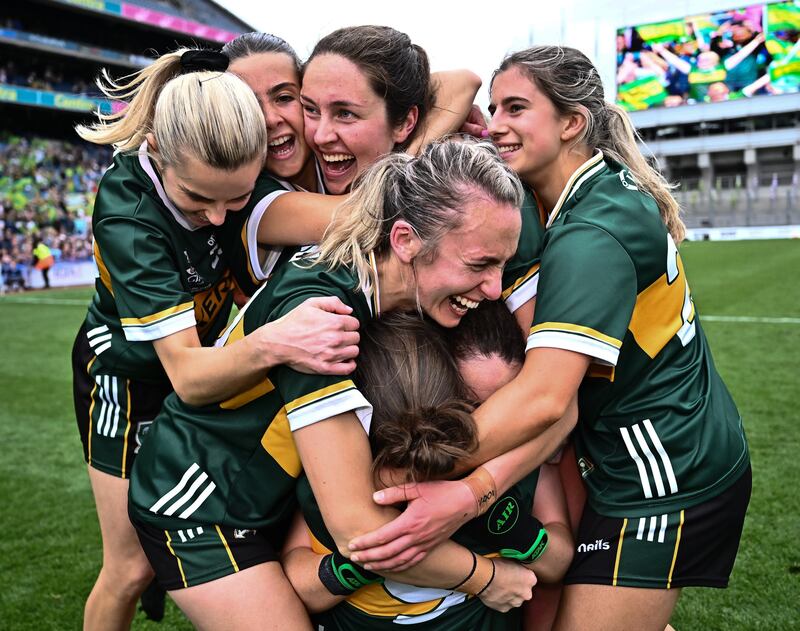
127 190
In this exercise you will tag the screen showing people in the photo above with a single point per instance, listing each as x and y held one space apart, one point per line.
710 57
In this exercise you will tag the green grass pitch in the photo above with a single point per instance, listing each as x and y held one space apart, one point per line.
50 545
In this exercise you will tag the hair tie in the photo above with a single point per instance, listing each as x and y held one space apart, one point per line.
199 60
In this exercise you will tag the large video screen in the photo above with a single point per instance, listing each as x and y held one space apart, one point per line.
710 57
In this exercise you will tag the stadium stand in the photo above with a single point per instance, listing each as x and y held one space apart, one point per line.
50 52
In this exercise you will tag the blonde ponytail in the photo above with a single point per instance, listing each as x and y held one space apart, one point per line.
127 128
210 115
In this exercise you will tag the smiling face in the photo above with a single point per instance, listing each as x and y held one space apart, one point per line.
467 264
205 194
346 122
525 125
274 79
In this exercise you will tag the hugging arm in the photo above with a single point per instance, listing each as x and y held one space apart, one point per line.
202 375
455 92
342 482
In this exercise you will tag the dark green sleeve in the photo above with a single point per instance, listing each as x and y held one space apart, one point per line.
521 274
587 292
136 260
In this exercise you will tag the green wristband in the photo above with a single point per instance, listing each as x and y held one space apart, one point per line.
531 554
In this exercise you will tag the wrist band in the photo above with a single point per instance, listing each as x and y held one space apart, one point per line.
481 577
471 572
482 485
494 567
341 576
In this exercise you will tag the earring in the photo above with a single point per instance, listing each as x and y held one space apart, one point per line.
416 287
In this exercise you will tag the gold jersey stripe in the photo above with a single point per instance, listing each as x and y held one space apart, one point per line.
376 601
177 558
319 394
278 442
91 407
316 545
576 328
573 179
656 317
105 277
531 272
675 552
251 394
619 550
127 427
227 548
155 317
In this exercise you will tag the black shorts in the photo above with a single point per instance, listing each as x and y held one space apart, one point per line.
695 547
200 554
113 413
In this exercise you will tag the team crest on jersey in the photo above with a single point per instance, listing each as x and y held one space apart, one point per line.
627 180
586 467
241 534
195 281
141 431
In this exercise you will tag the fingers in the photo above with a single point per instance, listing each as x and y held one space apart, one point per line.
392 537
396 495
477 131
331 304
390 557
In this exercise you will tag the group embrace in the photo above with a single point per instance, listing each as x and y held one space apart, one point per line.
466 373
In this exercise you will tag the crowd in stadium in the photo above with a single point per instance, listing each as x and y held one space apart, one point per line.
47 189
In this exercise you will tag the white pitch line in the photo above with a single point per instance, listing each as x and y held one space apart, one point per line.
704 318
748 319
43 301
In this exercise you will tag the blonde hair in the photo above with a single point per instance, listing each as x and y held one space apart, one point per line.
573 85
429 191
212 116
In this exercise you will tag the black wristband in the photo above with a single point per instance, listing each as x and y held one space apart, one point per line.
341 576
471 572
485 587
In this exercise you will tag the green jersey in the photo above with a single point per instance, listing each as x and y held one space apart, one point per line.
658 430
252 263
385 605
158 274
521 273
235 463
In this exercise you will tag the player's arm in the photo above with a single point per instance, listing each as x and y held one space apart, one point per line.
342 483
550 508
297 218
454 92
301 565
317 336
